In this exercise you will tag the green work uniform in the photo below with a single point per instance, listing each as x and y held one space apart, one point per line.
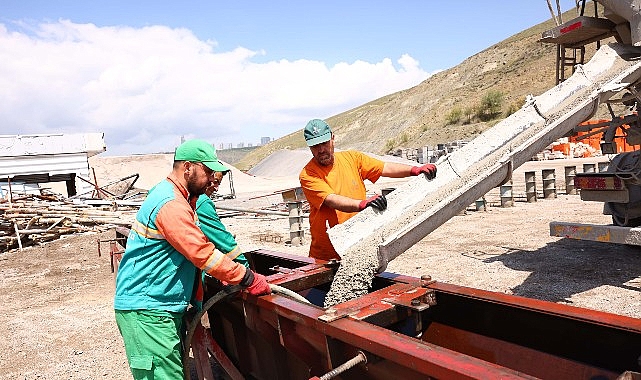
153 351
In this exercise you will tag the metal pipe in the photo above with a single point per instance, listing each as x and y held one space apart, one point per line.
360 358
268 212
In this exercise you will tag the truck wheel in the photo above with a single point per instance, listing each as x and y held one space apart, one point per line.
624 215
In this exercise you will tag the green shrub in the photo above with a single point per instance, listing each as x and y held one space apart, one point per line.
490 106
390 144
468 112
454 116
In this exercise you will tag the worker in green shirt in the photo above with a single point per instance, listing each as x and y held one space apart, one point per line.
213 228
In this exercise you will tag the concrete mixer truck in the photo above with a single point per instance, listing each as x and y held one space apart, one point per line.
618 186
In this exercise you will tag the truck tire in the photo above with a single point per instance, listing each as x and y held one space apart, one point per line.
625 214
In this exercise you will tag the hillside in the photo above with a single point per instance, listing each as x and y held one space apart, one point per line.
516 67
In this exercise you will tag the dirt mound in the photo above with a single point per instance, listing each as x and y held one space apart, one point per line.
282 163
153 168
289 163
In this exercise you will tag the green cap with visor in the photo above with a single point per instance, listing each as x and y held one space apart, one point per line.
317 132
199 151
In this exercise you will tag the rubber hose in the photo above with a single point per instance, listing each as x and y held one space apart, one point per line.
286 292
225 292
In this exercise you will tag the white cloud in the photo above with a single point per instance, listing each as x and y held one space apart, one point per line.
146 87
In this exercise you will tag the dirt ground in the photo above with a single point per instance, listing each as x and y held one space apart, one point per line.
57 313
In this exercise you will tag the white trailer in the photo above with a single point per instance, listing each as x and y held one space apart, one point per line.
618 187
42 158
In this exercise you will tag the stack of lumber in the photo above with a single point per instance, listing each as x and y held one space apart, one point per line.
31 220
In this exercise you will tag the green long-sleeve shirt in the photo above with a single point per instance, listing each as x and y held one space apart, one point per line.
213 228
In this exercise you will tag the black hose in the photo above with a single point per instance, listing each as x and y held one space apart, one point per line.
225 292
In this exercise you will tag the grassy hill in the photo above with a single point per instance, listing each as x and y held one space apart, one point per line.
418 116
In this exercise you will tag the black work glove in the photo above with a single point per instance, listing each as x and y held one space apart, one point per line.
377 202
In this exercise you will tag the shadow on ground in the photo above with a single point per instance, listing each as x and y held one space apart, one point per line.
567 267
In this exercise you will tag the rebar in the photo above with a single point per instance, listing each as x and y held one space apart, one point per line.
360 358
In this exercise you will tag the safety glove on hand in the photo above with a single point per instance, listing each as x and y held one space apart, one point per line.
428 169
377 202
255 283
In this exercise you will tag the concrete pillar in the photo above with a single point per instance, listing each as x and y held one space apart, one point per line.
530 186
603 166
296 232
507 199
480 204
589 168
549 183
570 173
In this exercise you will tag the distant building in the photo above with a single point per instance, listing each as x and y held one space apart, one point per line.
249 145
264 140
230 146
240 145
221 146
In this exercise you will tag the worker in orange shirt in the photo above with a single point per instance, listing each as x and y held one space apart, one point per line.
333 184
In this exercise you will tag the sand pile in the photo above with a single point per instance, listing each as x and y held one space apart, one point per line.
285 163
282 163
153 168
274 174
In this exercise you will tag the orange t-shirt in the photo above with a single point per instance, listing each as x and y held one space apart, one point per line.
345 177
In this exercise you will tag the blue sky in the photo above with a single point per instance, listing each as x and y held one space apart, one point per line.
147 72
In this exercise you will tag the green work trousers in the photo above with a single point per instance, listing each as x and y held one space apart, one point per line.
152 343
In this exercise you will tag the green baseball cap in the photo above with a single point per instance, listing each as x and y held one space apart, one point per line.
199 151
317 132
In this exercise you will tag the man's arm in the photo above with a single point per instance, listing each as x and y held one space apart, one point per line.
175 221
346 204
398 170
176 224
342 203
216 232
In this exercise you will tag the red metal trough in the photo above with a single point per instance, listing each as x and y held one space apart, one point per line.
406 328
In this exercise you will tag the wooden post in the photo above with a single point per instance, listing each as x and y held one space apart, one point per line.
10 195
15 226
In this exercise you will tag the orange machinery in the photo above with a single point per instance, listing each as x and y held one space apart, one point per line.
592 133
